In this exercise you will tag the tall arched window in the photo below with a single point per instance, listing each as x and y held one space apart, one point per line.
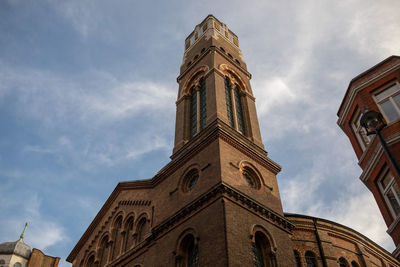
128 234
310 259
234 106
103 251
354 264
198 110
262 253
90 262
141 230
343 262
2 263
117 237
188 254
297 257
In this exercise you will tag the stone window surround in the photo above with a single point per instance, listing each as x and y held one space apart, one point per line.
378 102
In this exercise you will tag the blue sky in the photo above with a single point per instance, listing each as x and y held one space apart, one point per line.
88 90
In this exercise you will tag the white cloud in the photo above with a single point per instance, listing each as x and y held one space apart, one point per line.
42 232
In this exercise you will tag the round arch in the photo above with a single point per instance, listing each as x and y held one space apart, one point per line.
233 76
259 228
194 79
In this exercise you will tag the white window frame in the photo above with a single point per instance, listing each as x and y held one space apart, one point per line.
385 190
390 97
363 139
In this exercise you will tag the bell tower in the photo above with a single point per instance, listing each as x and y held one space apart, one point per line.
214 85
217 127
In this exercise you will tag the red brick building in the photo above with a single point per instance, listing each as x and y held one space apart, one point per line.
377 89
217 202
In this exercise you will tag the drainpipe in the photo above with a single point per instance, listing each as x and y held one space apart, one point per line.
321 251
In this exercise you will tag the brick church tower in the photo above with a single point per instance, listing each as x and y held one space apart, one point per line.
217 202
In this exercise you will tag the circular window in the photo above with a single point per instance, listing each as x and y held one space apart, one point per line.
251 178
190 180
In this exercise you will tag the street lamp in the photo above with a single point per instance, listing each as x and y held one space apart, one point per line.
373 123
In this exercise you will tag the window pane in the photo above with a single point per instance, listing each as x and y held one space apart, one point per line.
203 111
310 259
396 99
343 263
257 255
390 195
192 256
386 180
239 112
388 92
297 257
193 112
389 110
229 102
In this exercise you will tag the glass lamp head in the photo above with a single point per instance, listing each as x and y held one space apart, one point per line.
372 121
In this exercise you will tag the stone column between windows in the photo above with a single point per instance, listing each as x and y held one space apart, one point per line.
235 122
198 108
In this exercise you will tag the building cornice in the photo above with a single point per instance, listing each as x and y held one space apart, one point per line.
361 81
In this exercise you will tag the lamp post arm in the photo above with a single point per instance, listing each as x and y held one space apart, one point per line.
388 154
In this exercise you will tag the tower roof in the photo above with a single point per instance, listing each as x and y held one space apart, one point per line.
17 247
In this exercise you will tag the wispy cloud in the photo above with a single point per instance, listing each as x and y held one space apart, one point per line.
42 233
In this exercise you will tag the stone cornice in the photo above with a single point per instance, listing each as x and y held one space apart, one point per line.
223 190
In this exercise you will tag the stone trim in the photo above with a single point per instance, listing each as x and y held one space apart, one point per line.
223 190
134 203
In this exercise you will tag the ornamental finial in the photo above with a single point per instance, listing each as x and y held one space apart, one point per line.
23 232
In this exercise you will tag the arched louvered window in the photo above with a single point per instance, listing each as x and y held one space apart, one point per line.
203 109
310 259
228 96
142 229
128 242
198 108
193 111
188 252
103 251
234 106
297 258
90 262
343 262
192 255
117 237
239 110
262 252
258 257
